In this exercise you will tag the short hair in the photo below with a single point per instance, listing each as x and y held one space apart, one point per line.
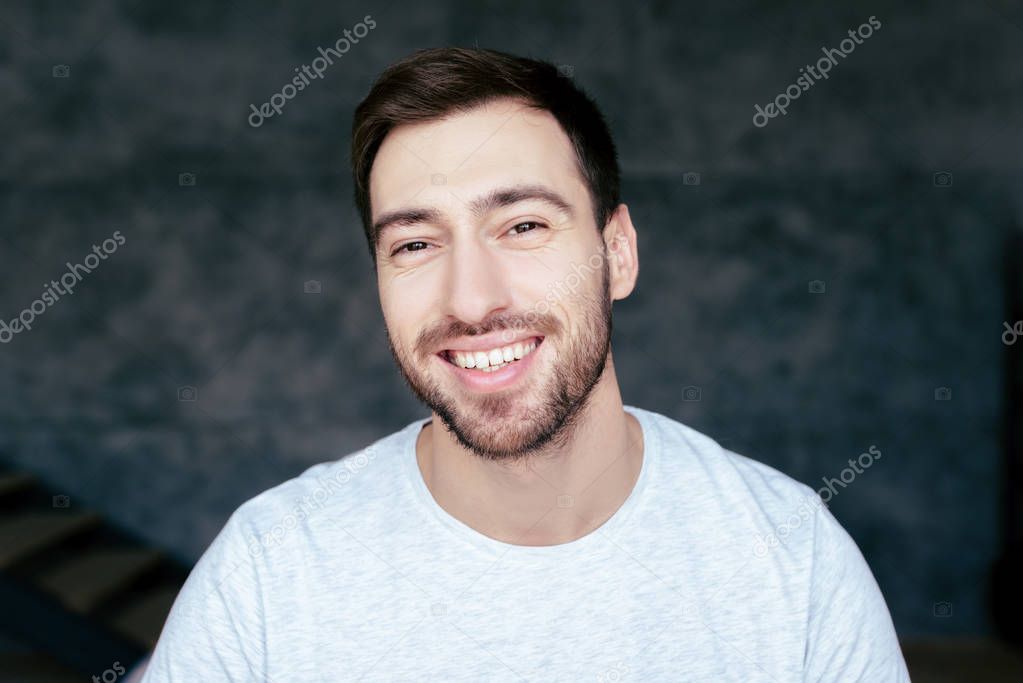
433 83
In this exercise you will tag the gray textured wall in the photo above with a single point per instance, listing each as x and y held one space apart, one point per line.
207 290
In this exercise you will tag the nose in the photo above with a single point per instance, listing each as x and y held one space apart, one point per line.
476 282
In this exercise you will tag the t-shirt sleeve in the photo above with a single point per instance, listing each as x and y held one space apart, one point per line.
214 632
850 635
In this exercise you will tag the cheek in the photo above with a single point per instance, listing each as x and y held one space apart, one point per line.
535 277
406 309
555 287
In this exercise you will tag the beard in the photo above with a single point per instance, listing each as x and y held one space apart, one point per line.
512 424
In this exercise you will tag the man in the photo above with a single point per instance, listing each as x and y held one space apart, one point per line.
533 527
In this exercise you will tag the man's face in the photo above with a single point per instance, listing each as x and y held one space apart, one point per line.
492 274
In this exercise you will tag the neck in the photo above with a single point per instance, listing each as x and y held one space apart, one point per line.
552 496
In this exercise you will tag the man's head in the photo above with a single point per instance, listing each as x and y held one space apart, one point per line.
488 189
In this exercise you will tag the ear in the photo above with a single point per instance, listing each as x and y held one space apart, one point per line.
622 252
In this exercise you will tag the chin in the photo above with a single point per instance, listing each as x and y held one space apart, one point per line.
496 426
498 444
510 429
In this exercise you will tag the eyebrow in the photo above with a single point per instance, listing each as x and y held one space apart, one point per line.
495 199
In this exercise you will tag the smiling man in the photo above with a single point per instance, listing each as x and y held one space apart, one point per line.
532 527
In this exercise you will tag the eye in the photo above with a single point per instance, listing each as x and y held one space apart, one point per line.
528 226
410 246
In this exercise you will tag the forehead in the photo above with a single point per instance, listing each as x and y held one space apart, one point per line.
503 141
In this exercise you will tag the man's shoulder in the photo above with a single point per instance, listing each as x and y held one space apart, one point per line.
746 501
351 483
688 456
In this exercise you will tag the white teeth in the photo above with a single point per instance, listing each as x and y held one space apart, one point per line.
495 367
488 361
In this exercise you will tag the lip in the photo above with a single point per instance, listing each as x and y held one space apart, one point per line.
488 382
490 340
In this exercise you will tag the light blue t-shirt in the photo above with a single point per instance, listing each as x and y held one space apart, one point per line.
716 568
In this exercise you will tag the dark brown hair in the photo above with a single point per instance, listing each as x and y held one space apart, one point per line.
432 83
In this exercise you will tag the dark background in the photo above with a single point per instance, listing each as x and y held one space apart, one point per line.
209 289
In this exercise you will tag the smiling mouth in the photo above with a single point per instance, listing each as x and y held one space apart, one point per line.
492 359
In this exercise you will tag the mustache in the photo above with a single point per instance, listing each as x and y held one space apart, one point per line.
435 336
